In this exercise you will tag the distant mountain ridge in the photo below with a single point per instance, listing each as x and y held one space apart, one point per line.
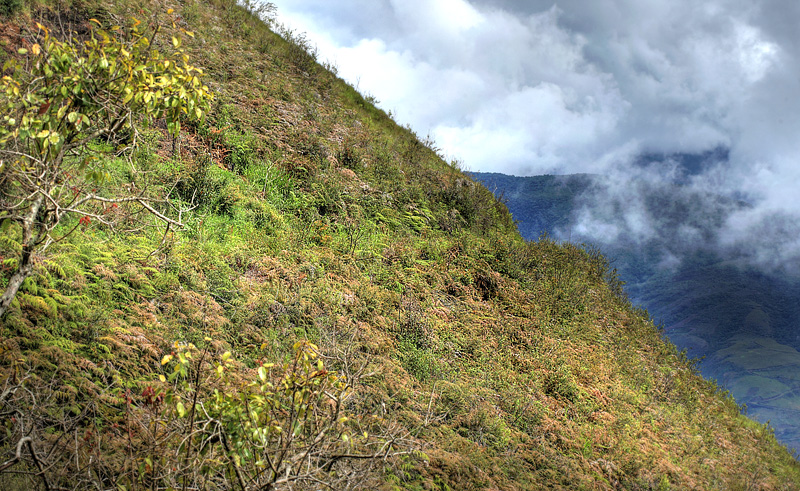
707 300
539 204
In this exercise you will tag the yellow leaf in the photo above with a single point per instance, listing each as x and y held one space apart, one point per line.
166 359
36 49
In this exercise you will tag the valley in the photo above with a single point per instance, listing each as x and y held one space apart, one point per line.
742 324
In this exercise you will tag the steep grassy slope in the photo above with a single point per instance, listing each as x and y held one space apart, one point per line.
475 360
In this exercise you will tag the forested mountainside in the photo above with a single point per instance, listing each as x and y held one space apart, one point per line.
255 279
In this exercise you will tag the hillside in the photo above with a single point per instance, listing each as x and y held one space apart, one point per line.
314 299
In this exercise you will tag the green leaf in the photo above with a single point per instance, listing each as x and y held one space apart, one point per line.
181 409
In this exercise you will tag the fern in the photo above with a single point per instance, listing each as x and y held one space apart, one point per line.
55 268
8 242
52 304
43 334
100 348
30 286
34 302
62 343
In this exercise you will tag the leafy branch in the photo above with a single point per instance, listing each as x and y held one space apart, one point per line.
58 101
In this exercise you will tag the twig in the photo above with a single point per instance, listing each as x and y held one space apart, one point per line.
17 455
235 467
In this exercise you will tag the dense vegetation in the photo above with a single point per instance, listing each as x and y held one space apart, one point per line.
334 305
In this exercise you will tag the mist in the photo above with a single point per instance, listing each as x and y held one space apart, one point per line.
674 204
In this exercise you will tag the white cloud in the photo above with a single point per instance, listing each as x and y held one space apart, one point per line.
444 18
667 75
756 56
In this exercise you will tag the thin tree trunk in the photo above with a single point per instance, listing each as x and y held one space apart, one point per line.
176 146
25 267
14 283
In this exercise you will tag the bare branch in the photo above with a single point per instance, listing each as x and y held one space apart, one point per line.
18 454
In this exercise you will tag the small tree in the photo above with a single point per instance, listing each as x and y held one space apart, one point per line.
285 429
208 423
55 105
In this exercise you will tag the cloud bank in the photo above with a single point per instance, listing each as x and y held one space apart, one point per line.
533 87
